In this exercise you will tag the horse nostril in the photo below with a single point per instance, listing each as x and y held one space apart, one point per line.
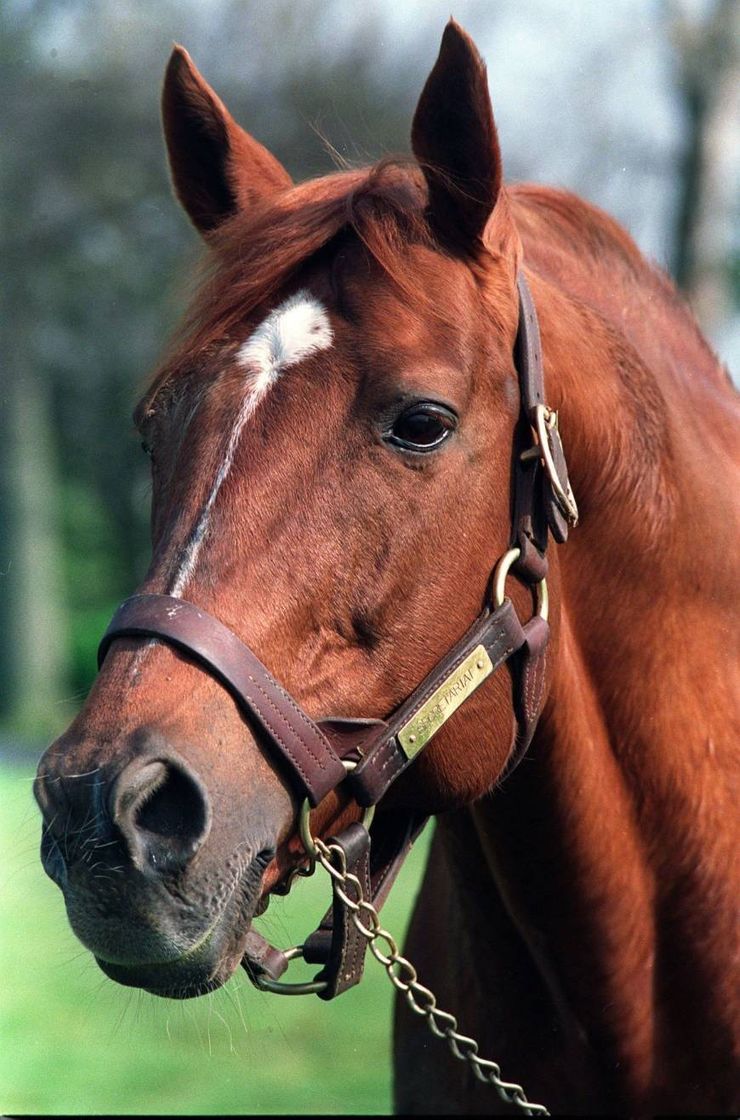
176 808
133 786
162 811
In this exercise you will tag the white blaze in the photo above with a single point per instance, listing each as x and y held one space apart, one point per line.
291 332
294 330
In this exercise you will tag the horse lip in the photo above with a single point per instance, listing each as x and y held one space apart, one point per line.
159 981
182 958
161 977
206 964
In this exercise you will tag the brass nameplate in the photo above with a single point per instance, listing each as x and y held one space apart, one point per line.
444 701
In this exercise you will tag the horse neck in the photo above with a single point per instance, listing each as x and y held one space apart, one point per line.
610 843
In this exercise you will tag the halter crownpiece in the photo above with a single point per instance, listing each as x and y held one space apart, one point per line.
543 420
369 755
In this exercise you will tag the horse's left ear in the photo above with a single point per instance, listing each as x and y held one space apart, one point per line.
454 139
217 167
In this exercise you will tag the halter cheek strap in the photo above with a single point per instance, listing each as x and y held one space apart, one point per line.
314 753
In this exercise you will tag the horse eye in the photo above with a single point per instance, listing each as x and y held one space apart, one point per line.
423 427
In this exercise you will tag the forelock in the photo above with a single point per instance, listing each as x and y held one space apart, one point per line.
255 255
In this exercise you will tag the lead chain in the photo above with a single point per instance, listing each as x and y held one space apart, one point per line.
403 976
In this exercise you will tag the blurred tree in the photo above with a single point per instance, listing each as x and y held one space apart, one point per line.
65 194
97 257
707 44
33 656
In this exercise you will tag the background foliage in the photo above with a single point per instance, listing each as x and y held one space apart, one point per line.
75 1043
630 104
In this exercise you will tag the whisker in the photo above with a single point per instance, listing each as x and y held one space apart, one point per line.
217 1013
232 994
64 777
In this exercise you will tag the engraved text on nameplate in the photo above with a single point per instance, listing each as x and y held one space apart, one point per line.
444 701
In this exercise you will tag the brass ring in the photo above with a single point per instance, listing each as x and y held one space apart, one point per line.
303 821
307 988
542 599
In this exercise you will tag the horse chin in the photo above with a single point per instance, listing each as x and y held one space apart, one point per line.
201 969
145 958
184 978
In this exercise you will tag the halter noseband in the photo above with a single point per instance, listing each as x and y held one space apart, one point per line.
369 755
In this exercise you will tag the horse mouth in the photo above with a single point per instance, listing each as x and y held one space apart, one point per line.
205 965
194 973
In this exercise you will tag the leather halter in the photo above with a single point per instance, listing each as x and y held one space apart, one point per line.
314 752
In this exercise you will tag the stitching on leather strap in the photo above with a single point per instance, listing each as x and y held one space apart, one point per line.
319 761
533 684
301 714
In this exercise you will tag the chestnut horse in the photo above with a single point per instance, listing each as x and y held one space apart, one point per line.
332 470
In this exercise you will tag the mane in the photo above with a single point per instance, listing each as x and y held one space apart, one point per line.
566 221
255 254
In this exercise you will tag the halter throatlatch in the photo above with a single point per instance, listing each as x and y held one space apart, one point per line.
369 755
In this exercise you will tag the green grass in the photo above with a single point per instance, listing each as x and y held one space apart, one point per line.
73 1042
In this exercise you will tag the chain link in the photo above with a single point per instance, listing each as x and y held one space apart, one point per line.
403 976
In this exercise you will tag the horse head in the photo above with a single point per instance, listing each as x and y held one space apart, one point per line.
331 441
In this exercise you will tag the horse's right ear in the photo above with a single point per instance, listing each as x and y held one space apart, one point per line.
217 167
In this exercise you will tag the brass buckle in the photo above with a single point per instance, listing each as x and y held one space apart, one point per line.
545 428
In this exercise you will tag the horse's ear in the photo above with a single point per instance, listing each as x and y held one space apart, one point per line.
217 168
454 139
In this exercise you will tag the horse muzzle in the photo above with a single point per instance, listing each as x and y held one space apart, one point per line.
161 898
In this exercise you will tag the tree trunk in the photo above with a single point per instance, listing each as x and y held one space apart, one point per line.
709 85
35 619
